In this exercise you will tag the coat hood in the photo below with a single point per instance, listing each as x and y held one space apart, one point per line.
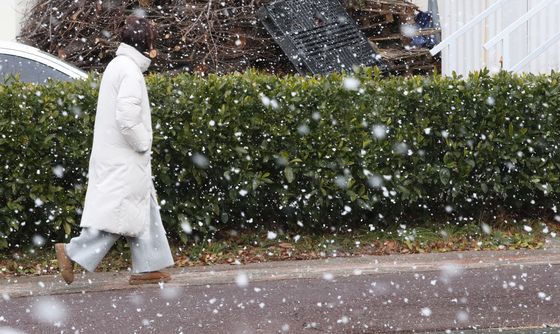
128 51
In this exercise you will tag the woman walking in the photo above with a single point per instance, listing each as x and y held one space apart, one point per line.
120 198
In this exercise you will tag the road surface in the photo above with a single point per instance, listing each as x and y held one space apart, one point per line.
419 293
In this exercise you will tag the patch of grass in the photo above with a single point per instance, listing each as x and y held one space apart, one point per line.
251 247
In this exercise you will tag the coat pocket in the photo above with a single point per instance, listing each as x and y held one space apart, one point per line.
137 182
109 178
135 210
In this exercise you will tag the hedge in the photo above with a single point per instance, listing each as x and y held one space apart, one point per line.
250 151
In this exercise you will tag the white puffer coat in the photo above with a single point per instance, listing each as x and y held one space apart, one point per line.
120 177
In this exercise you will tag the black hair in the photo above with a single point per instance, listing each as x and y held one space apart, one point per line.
138 33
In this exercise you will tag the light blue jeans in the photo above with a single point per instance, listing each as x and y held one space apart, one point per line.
149 252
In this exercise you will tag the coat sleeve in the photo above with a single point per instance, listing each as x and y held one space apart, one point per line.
129 113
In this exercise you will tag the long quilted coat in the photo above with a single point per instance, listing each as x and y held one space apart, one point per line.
120 177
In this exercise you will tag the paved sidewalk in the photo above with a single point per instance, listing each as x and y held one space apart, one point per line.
273 271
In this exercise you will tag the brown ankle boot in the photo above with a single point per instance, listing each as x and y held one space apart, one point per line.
65 265
149 278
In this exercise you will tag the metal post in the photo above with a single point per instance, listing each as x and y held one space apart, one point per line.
434 10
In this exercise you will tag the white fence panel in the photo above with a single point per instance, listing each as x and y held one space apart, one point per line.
544 26
467 53
463 55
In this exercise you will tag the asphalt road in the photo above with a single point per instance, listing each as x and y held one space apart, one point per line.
453 297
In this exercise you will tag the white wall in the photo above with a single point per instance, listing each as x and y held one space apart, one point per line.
11 14
423 4
8 20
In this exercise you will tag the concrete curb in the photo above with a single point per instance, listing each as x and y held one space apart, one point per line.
15 287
